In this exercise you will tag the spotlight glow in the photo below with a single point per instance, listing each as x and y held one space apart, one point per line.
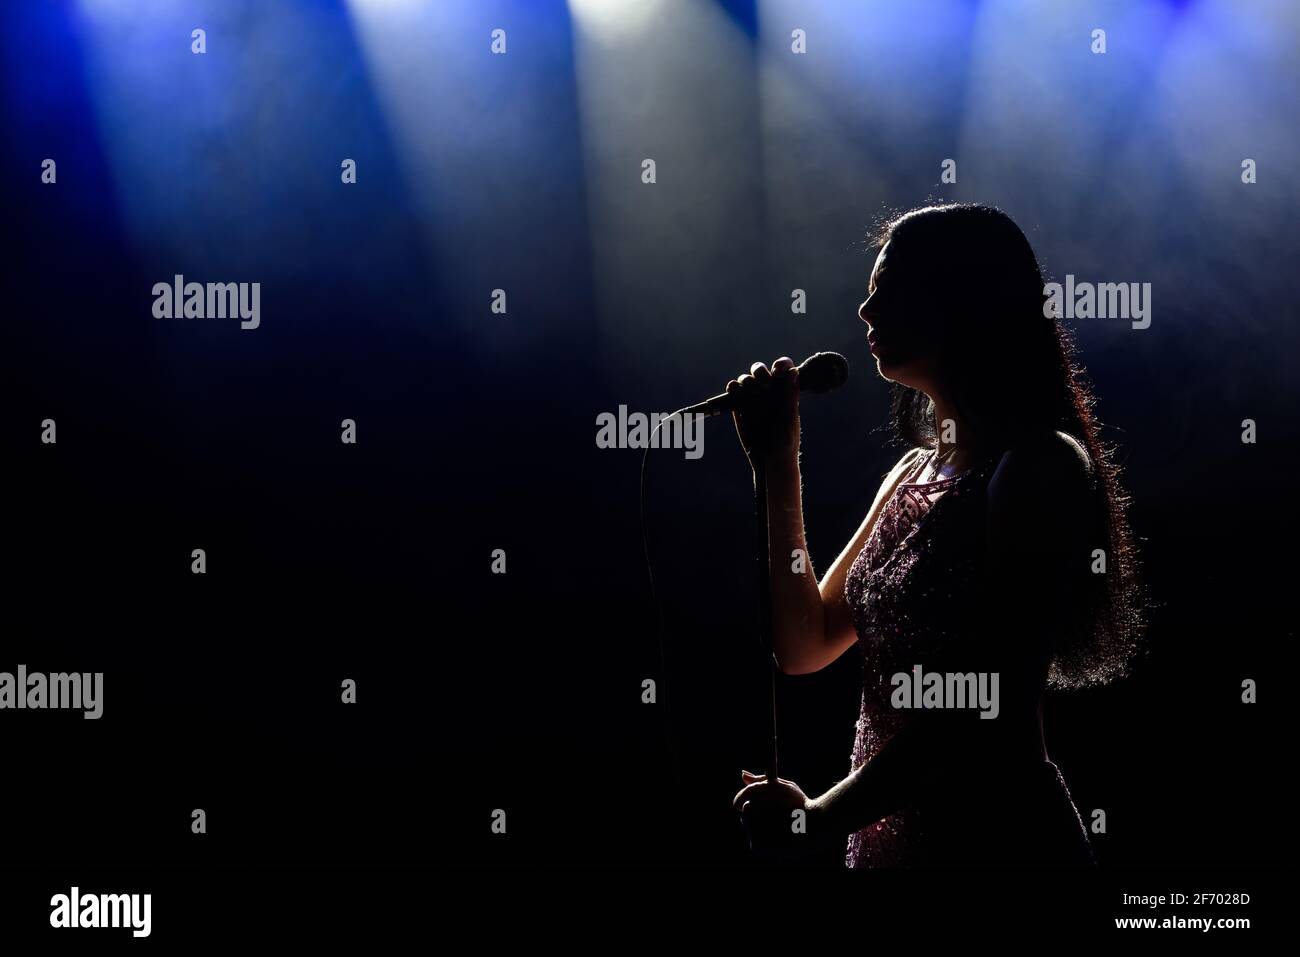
614 21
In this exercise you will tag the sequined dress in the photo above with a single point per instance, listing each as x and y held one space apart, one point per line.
910 590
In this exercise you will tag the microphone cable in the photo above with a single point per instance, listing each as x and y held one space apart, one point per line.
662 698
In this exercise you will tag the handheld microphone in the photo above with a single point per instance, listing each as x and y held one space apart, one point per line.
823 372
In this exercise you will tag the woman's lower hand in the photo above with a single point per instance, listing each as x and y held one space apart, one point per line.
775 814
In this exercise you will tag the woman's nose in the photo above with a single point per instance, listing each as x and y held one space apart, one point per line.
863 314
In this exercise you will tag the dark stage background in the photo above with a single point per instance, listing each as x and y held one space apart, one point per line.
476 431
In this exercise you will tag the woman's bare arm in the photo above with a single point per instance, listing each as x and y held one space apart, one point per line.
811 622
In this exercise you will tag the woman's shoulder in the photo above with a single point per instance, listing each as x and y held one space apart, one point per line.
1051 455
909 458
1048 465
905 466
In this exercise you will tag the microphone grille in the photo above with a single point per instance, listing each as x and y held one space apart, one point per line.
823 372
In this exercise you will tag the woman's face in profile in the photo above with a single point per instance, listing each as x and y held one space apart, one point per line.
902 330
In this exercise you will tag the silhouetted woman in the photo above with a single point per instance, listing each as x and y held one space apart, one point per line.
997 545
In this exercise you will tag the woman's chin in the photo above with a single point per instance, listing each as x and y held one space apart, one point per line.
904 374
888 370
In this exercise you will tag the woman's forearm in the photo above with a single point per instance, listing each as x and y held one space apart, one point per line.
926 754
878 788
798 617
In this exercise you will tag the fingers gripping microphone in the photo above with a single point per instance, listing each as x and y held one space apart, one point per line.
823 372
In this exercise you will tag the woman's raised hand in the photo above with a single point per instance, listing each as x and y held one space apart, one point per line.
767 417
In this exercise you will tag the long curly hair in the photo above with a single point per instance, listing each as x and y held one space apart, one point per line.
1012 370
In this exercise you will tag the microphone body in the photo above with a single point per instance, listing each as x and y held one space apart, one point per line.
822 372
